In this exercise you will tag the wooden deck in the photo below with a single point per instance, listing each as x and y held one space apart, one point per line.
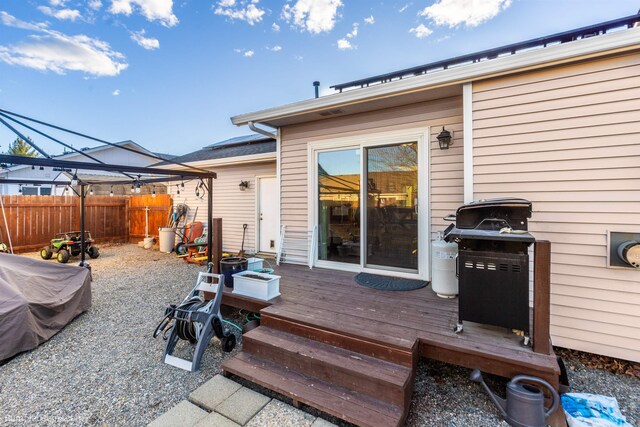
358 347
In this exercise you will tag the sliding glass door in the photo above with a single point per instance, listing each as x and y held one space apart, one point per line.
391 217
367 204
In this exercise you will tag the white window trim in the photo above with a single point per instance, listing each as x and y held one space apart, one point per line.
278 184
378 138
467 127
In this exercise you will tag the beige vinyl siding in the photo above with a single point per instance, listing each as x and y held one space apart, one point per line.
446 166
568 139
235 207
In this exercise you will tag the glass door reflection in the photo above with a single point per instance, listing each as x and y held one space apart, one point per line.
339 206
392 206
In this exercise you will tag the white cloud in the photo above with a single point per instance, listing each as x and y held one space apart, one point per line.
468 12
275 27
63 14
276 48
405 7
354 31
248 54
51 50
345 44
314 16
153 10
116 92
299 58
250 13
11 21
370 20
95 4
148 43
421 31
57 3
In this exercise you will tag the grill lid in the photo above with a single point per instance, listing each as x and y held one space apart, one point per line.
494 214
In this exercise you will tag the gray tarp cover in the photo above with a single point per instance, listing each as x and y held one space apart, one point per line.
37 299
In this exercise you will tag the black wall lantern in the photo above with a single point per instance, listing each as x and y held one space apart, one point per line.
444 139
243 185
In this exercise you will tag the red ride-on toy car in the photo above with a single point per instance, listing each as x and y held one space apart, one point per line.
66 245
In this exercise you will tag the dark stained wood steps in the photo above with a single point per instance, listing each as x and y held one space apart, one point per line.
305 365
355 371
356 408
326 334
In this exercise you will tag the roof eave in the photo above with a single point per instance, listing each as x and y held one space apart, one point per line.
618 41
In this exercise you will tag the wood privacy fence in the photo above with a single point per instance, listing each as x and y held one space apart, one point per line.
159 208
34 220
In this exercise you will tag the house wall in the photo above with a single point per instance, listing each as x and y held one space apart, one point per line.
446 165
568 139
109 155
235 207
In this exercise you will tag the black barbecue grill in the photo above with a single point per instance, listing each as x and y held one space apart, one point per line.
493 262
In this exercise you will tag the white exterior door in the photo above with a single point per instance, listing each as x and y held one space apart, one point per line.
267 214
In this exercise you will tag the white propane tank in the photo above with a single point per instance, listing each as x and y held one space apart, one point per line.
444 281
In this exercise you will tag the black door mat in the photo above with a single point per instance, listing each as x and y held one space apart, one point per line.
388 283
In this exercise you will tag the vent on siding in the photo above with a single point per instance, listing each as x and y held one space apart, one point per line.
331 112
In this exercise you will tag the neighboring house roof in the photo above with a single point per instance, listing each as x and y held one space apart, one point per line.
379 95
166 156
240 140
89 150
240 146
91 177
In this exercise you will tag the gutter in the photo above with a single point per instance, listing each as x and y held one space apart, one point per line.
264 132
619 41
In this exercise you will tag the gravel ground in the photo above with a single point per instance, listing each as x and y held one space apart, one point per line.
444 395
105 368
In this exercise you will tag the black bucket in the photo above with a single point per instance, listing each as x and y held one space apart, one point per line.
231 266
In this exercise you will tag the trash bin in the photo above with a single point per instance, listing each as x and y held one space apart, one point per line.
230 266
167 239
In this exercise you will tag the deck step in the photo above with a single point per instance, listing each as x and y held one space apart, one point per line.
377 378
341 402
284 321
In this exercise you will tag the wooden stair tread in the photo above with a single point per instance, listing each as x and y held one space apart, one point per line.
334 400
340 358
346 324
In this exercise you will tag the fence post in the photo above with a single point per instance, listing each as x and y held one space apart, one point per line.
542 297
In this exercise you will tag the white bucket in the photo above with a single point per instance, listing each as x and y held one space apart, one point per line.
167 239
255 263
148 242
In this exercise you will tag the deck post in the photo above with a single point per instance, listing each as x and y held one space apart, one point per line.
542 297
210 223
216 249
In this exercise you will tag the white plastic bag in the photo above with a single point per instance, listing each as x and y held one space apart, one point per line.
592 410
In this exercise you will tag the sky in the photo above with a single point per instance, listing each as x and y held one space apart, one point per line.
169 74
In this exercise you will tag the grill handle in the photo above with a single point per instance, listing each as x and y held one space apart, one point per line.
457 266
